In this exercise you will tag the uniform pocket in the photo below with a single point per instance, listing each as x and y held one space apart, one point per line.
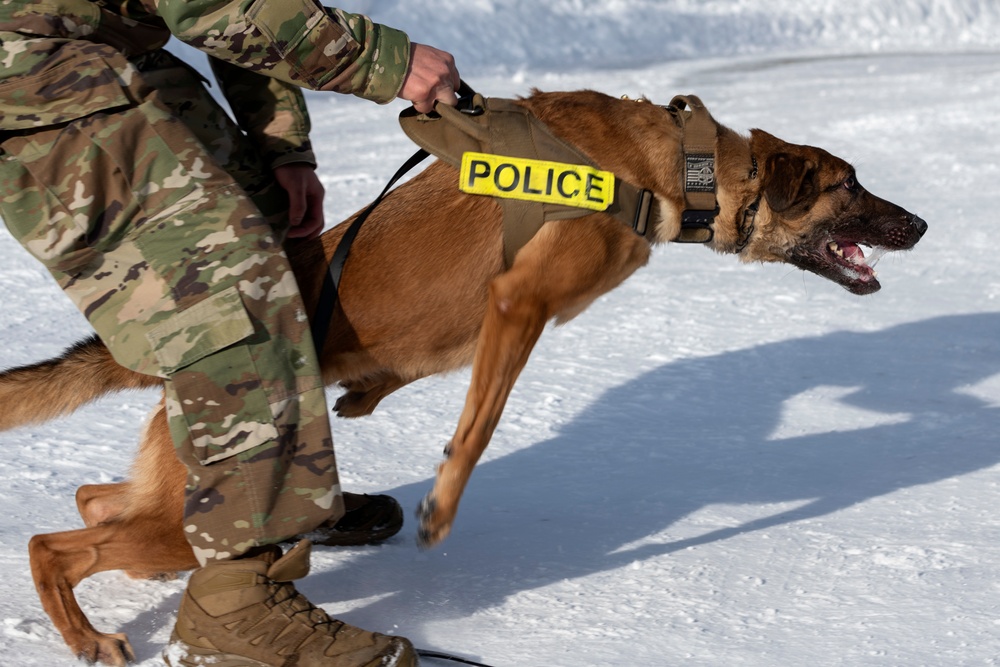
217 392
304 35
203 329
76 80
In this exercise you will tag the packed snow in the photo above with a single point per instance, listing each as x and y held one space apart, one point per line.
717 464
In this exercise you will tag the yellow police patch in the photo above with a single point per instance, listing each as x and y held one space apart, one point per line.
537 180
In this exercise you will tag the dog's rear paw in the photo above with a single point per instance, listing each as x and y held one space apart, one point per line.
355 404
112 649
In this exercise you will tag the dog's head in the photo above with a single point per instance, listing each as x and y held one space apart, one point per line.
815 214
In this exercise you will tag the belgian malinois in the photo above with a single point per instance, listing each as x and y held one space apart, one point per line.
427 289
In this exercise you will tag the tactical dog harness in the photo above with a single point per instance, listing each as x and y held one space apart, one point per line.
496 143
502 150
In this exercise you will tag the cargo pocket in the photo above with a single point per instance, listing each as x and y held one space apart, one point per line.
218 394
78 79
65 188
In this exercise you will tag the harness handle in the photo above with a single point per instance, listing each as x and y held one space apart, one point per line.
467 100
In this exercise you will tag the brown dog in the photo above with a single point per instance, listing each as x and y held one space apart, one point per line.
425 291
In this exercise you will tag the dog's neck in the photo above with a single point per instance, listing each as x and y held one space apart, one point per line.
737 193
653 158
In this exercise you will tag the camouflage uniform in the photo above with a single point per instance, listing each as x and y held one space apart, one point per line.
162 222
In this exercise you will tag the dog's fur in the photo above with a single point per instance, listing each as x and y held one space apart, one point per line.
425 291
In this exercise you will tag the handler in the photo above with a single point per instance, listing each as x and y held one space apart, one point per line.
164 221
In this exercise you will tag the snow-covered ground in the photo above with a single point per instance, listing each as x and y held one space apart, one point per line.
717 464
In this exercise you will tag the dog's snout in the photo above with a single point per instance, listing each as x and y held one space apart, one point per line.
919 224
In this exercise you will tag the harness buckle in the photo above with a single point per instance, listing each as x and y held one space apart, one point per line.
640 224
467 102
696 226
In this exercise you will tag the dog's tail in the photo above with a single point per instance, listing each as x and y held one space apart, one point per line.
86 371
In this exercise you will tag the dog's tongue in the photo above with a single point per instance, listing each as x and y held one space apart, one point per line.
852 252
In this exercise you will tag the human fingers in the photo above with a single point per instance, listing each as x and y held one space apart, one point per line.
305 198
432 77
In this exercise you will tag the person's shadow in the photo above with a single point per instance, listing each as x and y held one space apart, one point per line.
606 490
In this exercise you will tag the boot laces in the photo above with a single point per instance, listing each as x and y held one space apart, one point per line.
285 595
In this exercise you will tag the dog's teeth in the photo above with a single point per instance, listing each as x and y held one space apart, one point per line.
876 255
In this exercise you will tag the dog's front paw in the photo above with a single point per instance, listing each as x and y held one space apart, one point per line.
433 527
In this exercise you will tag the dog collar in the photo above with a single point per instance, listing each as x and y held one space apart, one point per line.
698 144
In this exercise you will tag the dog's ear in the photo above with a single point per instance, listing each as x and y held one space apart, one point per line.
788 179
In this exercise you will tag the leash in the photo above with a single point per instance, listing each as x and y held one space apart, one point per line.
437 655
329 295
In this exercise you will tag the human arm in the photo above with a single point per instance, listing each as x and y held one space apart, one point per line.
271 112
321 48
274 116
296 41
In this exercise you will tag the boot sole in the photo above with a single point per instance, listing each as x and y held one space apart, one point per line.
180 654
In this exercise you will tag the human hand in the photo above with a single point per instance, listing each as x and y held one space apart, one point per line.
432 77
305 198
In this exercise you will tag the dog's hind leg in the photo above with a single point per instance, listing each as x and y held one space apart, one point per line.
103 503
99 503
134 526
59 561
361 397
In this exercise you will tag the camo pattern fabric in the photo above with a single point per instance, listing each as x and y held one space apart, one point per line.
119 182
299 42
272 112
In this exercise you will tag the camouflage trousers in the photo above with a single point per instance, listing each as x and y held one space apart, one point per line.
158 220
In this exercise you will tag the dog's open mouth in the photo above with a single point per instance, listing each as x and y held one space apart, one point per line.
852 262
844 262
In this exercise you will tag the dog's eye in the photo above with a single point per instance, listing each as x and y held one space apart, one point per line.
850 183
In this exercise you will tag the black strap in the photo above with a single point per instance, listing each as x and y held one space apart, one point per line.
423 653
331 282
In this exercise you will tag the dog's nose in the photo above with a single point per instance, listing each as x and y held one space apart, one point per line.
918 224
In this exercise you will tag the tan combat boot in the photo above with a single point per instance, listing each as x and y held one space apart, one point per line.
245 613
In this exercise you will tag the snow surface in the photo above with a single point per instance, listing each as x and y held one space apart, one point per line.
717 464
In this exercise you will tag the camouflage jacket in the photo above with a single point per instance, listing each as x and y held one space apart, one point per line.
262 52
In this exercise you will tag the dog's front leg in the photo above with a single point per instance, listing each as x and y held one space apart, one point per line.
515 317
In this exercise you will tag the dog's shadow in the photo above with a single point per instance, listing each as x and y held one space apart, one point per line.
687 435
609 489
